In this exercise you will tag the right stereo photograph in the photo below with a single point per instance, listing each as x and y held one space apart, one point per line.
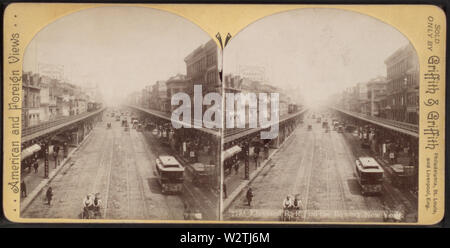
321 120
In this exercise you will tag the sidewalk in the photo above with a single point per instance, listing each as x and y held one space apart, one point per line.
236 183
33 179
35 182
233 179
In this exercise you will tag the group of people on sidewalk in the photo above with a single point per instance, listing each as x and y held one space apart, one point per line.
259 153
33 162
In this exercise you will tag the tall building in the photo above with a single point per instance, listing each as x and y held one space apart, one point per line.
147 97
160 96
402 101
238 84
376 92
202 67
30 99
179 83
350 99
362 97
44 109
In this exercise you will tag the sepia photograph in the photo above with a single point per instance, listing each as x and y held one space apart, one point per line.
288 114
347 120
98 141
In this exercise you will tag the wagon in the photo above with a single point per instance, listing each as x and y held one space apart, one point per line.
402 175
201 173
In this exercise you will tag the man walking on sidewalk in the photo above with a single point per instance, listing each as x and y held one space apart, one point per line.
23 189
35 166
224 187
249 196
257 150
65 149
266 150
255 156
55 156
392 156
49 195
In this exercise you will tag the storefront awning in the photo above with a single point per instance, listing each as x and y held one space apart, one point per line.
30 151
231 152
59 139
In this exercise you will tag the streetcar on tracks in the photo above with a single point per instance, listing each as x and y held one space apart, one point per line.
170 174
369 175
365 137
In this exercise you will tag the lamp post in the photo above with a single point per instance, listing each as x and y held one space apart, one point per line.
405 96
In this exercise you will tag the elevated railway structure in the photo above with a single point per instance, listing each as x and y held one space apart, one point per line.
52 128
404 128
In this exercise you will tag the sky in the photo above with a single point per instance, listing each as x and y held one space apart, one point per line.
120 49
310 53
313 53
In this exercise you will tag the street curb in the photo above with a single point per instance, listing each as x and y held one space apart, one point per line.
232 197
32 196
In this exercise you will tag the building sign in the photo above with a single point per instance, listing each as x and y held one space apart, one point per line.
52 71
254 73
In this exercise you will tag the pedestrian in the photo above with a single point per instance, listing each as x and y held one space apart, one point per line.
392 156
266 150
187 212
26 164
35 166
30 164
23 189
224 187
256 151
255 156
249 196
57 154
49 195
236 167
65 149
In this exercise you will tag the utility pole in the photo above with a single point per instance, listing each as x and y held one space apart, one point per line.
372 105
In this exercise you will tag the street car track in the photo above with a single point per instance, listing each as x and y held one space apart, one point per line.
310 169
110 174
190 195
157 151
108 182
338 175
102 164
370 202
138 174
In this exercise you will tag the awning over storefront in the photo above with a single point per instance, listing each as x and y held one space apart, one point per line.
30 151
60 139
231 152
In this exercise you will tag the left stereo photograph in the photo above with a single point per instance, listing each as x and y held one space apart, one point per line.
97 136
